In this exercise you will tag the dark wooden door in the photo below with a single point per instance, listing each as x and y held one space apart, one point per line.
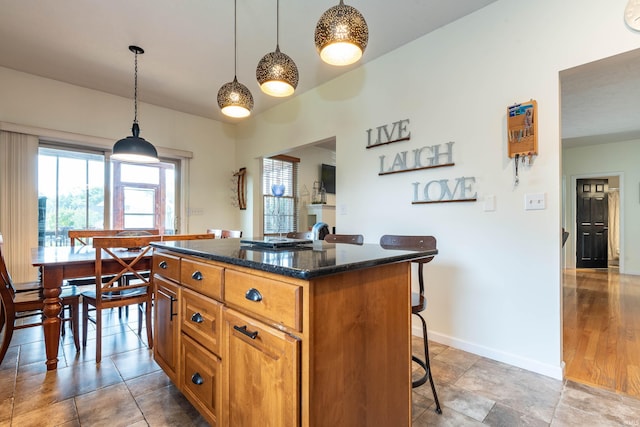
592 223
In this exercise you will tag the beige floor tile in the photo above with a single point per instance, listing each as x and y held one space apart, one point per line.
135 363
6 409
111 406
33 391
147 383
54 414
472 405
168 407
521 390
503 416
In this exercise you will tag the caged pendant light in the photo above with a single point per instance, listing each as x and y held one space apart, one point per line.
234 98
133 148
341 35
276 72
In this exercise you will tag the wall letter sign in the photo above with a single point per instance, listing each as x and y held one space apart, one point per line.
421 158
384 135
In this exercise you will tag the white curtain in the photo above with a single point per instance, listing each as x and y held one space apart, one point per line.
19 202
614 225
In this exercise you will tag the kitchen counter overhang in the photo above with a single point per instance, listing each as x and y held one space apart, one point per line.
305 262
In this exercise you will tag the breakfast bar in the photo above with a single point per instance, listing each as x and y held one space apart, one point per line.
311 334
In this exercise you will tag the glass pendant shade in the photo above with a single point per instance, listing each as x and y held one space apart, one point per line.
341 35
235 100
133 148
277 74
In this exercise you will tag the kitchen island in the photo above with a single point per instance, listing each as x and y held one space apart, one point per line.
312 335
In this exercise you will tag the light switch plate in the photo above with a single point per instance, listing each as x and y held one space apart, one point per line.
534 202
490 203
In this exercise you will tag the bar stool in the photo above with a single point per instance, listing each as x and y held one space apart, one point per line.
418 300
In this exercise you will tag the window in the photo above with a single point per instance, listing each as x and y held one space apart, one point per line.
73 185
280 212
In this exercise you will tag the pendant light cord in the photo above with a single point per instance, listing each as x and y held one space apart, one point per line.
278 24
235 38
135 89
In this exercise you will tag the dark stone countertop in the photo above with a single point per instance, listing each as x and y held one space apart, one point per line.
303 262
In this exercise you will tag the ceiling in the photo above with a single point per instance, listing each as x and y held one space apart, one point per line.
601 101
189 52
189 44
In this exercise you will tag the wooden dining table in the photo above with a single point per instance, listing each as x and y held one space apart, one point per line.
59 263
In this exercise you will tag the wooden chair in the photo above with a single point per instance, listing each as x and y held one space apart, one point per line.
307 235
173 237
84 237
418 300
354 239
227 234
132 257
27 304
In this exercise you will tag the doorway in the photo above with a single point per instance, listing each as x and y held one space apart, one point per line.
600 300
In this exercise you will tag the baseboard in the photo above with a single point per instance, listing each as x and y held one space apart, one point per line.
556 372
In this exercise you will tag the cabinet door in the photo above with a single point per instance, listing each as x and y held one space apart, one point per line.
166 332
261 366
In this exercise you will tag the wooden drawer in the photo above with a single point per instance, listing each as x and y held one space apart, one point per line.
166 265
202 277
201 319
201 379
272 299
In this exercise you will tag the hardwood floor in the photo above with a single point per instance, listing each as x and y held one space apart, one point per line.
601 312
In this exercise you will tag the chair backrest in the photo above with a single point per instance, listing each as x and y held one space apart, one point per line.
411 243
172 237
226 234
84 237
353 239
120 255
7 308
300 235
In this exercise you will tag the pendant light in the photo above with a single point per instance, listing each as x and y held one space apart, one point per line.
341 35
276 72
234 98
133 148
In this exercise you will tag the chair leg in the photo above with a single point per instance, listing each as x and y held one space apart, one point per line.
7 335
98 335
148 308
85 321
62 315
75 324
140 308
426 365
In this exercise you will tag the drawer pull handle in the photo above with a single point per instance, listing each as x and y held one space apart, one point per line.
163 265
253 295
197 317
197 379
171 301
243 329
196 275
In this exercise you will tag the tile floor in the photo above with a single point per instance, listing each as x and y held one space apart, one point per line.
129 389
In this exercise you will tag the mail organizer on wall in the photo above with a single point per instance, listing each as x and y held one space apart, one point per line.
522 129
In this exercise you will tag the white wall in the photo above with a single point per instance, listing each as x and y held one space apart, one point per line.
494 288
602 160
33 101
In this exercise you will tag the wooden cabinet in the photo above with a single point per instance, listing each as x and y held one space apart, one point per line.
167 328
262 376
201 379
254 348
